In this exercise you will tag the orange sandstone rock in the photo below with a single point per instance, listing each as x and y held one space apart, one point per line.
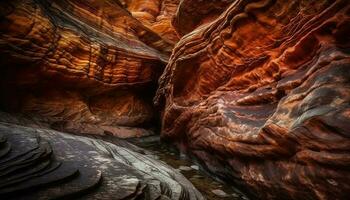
257 90
261 96
88 63
156 15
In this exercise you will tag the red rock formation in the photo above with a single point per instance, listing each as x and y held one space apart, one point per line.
156 15
258 90
261 95
193 13
80 64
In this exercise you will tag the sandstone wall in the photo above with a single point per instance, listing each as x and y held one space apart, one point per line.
260 94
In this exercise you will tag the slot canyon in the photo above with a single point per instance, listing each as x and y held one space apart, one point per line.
175 99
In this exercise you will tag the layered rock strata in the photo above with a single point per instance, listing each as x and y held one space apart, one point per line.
191 14
261 96
79 63
38 163
156 15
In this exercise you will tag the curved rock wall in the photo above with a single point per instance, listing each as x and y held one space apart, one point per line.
80 63
261 96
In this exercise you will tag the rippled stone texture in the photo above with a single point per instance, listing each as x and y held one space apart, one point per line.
79 63
261 96
193 13
156 15
38 163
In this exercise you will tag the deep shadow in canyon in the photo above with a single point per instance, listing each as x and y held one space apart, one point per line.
253 93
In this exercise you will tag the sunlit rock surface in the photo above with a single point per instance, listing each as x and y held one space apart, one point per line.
82 63
39 163
156 15
261 95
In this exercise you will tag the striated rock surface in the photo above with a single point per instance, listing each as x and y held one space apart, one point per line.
156 15
39 163
257 90
193 13
80 63
261 96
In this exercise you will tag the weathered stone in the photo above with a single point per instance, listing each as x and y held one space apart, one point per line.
260 94
256 90
194 13
82 63
219 193
185 168
195 167
156 15
47 164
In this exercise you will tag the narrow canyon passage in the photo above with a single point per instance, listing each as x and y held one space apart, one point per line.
175 99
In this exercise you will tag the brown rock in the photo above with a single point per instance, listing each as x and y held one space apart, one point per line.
193 13
261 95
257 90
82 63
39 163
156 15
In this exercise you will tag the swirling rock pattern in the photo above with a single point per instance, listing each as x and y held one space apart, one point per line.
193 13
156 15
38 163
261 96
67 61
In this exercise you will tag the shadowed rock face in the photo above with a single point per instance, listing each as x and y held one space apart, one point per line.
261 96
38 163
80 63
193 13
